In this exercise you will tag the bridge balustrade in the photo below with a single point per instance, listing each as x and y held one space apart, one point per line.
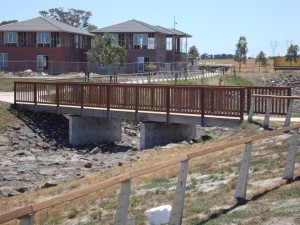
204 100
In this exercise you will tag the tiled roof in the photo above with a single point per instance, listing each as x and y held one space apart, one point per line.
41 24
135 26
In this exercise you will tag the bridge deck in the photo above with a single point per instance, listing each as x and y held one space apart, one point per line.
166 102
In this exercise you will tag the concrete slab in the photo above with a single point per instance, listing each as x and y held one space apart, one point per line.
7 97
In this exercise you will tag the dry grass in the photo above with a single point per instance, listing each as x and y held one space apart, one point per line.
101 205
200 208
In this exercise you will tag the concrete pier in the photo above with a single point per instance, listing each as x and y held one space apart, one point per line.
84 130
156 134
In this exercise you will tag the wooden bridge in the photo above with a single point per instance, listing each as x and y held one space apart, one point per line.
83 95
201 100
166 104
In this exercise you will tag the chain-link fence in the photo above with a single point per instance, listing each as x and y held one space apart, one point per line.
59 67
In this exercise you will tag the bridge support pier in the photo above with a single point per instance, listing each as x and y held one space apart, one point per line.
155 134
84 130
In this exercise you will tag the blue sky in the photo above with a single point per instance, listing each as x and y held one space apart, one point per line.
215 25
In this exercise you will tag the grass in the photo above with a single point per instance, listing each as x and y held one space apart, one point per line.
201 207
8 116
238 81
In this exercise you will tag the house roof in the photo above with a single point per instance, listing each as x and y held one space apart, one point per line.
44 25
135 26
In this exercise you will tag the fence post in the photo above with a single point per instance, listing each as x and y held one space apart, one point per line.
15 94
27 220
291 158
35 96
251 110
265 123
108 112
287 121
178 202
123 204
241 188
137 100
168 105
242 104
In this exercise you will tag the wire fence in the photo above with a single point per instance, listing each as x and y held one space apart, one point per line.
60 67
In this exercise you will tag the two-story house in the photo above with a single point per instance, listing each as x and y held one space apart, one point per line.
42 44
163 47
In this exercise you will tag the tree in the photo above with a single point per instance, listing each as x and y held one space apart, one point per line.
241 51
74 17
8 22
107 52
261 59
193 54
292 54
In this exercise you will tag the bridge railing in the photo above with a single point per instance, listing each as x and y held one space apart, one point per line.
269 107
202 100
279 105
26 213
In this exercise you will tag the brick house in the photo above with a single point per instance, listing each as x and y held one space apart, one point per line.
42 44
163 47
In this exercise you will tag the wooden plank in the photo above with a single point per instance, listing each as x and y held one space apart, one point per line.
79 193
158 166
276 96
275 132
15 214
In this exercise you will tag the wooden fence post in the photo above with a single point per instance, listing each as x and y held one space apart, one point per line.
287 121
265 123
27 220
250 114
178 202
123 203
241 188
291 158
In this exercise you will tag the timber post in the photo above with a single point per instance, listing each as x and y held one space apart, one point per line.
123 203
291 158
27 220
250 115
178 202
287 121
241 187
265 123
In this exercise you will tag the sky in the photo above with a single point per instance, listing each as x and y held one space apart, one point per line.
215 25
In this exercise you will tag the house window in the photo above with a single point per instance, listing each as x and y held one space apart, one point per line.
43 37
169 44
3 60
78 41
151 41
10 37
115 38
42 62
68 60
139 41
141 63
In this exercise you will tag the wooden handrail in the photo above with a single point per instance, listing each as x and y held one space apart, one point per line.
23 211
229 101
275 96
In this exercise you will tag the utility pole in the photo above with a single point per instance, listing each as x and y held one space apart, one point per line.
175 23
274 46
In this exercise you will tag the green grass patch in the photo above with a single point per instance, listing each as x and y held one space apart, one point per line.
109 204
158 182
238 81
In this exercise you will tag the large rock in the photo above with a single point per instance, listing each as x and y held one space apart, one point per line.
4 141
